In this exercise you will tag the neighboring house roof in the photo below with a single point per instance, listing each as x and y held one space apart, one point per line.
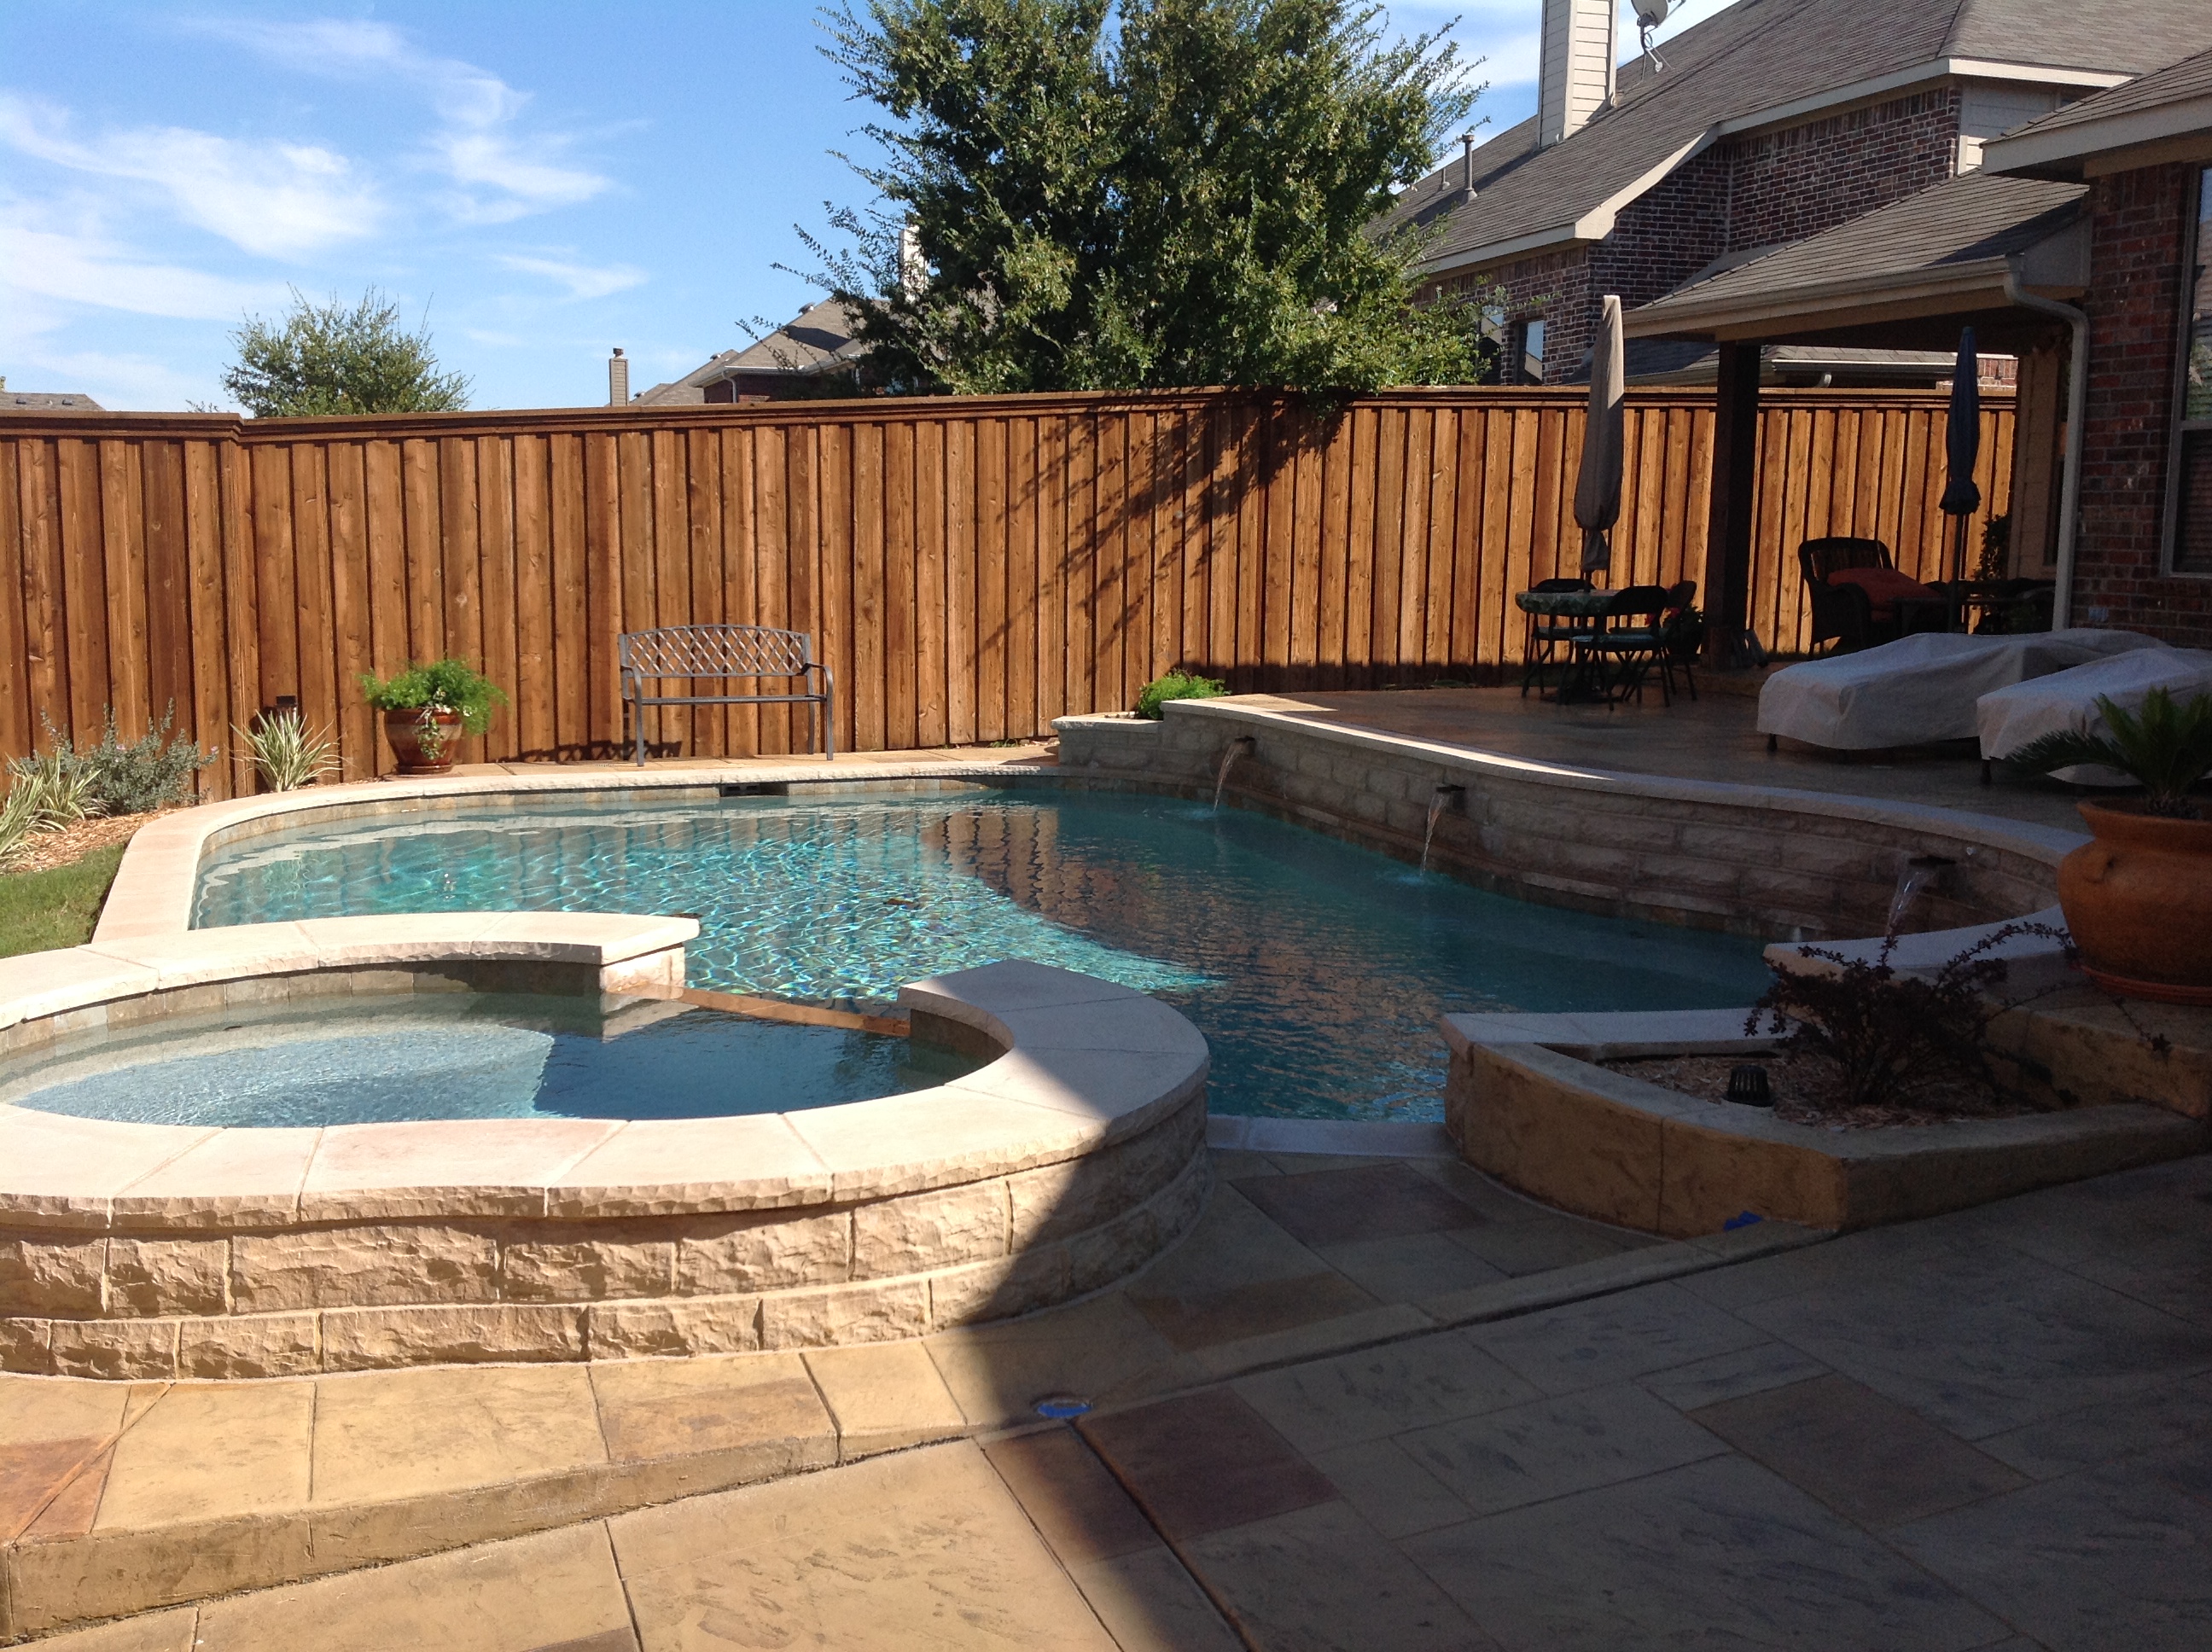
47 401
1766 62
2144 122
1949 245
820 337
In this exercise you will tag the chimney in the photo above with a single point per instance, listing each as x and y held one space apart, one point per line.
1574 78
618 379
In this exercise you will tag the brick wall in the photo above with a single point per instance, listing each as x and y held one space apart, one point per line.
2139 232
1746 192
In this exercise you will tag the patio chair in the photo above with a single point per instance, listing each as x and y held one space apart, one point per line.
1868 605
1685 632
1630 650
1548 634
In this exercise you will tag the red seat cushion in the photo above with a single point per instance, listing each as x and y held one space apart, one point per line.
1883 587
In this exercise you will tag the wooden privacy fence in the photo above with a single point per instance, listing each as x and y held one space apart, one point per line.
971 568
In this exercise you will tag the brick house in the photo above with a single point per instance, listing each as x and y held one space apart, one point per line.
1768 122
2082 243
808 355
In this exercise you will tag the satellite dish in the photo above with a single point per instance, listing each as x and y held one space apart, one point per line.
1650 14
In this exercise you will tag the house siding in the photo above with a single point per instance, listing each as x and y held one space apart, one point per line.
1746 192
2139 228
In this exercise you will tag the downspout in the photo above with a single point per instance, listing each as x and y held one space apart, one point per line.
2077 396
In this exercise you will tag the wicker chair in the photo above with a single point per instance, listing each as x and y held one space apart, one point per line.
1843 613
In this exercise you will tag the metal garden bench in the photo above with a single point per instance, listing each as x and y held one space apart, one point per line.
723 652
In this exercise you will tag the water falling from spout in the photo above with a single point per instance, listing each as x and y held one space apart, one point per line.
1230 753
1439 800
1915 877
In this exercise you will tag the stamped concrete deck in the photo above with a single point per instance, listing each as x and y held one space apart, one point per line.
1988 1430
1714 738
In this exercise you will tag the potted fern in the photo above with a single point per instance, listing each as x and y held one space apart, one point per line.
427 709
2138 895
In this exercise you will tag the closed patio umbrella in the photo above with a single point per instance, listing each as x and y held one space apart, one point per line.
1962 442
1597 490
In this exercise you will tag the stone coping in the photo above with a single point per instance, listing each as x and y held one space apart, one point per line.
2043 843
157 882
1529 1102
1086 1064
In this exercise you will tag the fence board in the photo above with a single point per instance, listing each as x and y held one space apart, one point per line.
970 567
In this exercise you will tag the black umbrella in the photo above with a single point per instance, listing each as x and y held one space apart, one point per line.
1962 441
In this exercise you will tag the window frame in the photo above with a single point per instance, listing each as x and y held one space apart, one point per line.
2194 253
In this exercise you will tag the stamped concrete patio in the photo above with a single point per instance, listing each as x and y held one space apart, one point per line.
1992 1430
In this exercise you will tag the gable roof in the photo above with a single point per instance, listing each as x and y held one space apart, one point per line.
1762 63
2161 109
47 401
1948 247
820 335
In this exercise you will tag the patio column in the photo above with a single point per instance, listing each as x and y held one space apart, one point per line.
1727 583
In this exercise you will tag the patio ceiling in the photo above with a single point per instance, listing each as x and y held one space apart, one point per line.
1906 277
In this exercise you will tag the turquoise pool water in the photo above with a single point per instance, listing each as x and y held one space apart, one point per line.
1317 969
460 1056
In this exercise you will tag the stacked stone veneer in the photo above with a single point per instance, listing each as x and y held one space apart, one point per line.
1755 861
996 1221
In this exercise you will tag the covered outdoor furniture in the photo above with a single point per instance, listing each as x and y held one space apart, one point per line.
1558 612
2009 718
1920 689
724 653
1859 597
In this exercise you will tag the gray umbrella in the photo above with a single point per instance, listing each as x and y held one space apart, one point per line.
1597 490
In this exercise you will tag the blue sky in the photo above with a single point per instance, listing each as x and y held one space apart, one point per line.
539 182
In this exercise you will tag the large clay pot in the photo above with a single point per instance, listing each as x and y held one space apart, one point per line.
2138 899
423 749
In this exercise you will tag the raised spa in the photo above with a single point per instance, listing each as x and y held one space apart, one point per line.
463 1055
1316 968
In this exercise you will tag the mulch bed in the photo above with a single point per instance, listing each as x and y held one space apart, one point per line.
44 851
1809 1090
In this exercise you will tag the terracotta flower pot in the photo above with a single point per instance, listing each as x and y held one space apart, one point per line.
2138 899
423 745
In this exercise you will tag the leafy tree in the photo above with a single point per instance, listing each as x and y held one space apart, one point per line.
1089 195
328 358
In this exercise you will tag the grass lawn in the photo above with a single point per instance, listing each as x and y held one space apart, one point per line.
43 909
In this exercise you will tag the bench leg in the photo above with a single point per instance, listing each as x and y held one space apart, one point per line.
637 730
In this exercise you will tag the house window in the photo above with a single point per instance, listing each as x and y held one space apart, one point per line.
2189 507
1532 352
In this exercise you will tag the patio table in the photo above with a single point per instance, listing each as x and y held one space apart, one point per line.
1576 682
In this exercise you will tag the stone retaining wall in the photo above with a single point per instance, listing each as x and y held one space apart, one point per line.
1755 860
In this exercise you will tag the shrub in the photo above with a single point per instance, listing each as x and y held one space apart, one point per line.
1894 1039
1176 685
287 754
113 777
449 685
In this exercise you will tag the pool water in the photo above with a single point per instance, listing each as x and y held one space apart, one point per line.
461 1056
1316 968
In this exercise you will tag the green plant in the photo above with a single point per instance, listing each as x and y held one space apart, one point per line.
1997 541
41 910
1176 685
1894 1038
2166 747
56 789
326 358
115 777
287 754
448 686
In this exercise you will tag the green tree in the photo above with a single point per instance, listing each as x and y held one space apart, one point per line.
1088 195
330 358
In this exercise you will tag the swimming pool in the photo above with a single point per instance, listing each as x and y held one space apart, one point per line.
1316 968
461 1055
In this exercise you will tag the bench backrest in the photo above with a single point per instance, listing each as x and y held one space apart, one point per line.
715 651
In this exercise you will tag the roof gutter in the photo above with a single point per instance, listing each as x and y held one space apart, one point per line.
1800 303
2078 398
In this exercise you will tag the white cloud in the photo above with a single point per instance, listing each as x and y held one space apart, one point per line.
503 174
279 200
80 265
118 382
582 281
